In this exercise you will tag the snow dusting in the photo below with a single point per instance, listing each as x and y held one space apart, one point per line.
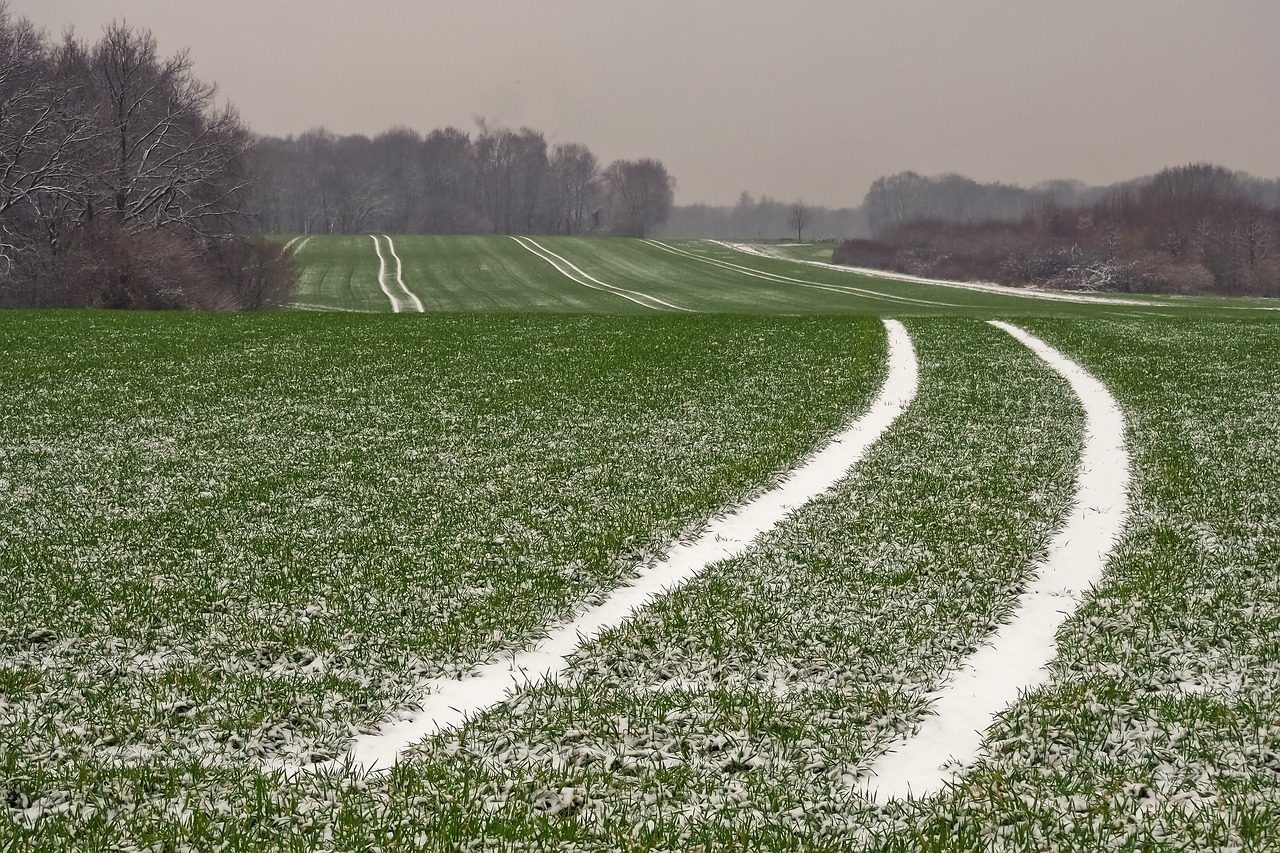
1013 662
573 273
452 702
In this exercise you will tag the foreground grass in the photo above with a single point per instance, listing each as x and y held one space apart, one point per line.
1161 725
237 540
740 712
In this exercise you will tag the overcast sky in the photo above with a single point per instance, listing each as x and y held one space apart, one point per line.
790 99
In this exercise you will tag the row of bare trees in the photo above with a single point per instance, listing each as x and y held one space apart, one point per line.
122 179
893 200
497 181
1197 228
763 218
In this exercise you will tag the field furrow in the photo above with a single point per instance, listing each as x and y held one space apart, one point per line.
338 273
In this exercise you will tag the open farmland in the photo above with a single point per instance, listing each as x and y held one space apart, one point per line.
237 547
622 276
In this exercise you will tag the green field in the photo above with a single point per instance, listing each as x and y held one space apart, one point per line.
622 276
233 545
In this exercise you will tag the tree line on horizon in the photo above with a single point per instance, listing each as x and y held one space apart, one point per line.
122 180
763 218
1197 228
124 183
499 181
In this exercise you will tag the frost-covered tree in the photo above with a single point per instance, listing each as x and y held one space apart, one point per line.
120 172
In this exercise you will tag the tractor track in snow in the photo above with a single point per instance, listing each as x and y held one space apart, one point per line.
400 277
451 702
382 277
778 278
1013 659
978 286
396 306
301 240
574 274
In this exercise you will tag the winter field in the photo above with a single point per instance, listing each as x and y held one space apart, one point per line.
296 581
619 276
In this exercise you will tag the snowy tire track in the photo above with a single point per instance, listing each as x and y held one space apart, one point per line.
297 244
397 304
778 278
1013 661
382 277
978 286
417 303
573 273
451 702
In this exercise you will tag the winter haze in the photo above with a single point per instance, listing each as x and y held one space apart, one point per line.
796 99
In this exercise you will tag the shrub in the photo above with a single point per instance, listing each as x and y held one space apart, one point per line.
110 266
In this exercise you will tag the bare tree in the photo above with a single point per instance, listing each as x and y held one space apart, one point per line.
893 199
574 187
169 156
42 141
641 195
512 167
398 166
450 183
798 217
121 179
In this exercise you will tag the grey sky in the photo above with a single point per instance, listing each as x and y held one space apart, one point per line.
790 99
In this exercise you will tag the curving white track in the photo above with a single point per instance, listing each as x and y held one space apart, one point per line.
778 278
397 304
1014 660
451 702
576 275
417 303
382 277
981 286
